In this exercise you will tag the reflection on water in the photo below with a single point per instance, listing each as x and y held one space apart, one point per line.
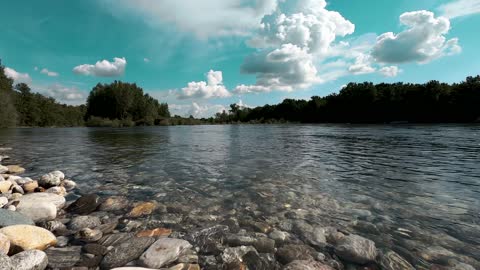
410 188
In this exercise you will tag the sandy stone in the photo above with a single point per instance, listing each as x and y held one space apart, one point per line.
4 244
5 186
15 169
30 186
155 232
142 209
27 237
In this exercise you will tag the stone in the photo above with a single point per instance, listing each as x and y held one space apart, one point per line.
61 191
131 268
89 235
5 186
30 186
290 253
41 211
261 227
233 255
63 257
108 227
51 179
236 240
306 265
27 237
81 222
15 169
23 180
278 236
392 261
9 218
95 249
5 262
158 232
253 260
30 260
114 203
264 245
3 169
356 249
17 189
69 185
4 244
115 239
62 241
209 240
53 225
89 260
142 209
126 252
34 198
163 252
185 266
84 205
3 201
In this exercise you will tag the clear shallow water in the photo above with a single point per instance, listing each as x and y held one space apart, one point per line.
414 189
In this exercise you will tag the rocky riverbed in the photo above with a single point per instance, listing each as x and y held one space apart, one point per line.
48 223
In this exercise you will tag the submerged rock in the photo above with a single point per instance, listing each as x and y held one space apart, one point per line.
289 253
89 235
356 249
84 205
114 203
163 252
306 265
234 255
155 232
126 252
30 260
115 239
142 209
392 261
27 237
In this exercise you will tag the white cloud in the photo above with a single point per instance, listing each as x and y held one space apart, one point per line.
423 41
362 65
48 72
63 94
208 18
459 8
195 109
391 71
146 60
212 88
103 68
17 77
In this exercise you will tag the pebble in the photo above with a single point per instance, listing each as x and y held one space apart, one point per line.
95 249
4 244
126 252
81 222
115 239
30 186
51 179
278 236
233 255
289 253
27 237
84 205
89 235
356 249
163 252
61 191
15 169
30 260
5 262
3 169
69 185
392 261
264 245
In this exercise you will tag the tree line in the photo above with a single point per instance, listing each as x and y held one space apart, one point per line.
432 102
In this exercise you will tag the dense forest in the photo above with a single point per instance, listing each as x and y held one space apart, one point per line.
432 102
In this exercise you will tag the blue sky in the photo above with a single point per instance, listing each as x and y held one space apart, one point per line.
201 56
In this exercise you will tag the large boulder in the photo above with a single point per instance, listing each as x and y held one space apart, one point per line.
30 260
163 252
27 237
9 218
356 249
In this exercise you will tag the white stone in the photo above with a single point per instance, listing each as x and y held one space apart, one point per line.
38 211
57 200
52 179
163 252
30 260
69 184
57 190
3 169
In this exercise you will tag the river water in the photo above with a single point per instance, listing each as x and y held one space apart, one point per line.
411 188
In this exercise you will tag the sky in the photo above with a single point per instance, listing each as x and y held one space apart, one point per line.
201 56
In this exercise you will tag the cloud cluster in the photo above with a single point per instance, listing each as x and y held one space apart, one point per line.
212 88
196 110
422 41
459 8
64 94
103 68
390 71
49 73
17 77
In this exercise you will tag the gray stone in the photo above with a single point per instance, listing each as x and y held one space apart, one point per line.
163 252
209 240
89 235
95 249
84 205
356 249
392 261
62 241
234 255
3 201
278 236
39 211
63 257
126 252
290 253
53 225
5 262
69 185
30 260
264 245
114 203
51 179
306 265
9 218
81 222
115 239
235 240
4 244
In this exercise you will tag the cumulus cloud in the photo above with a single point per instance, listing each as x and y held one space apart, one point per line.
459 8
362 65
196 110
63 94
212 88
208 18
103 68
391 71
49 73
17 77
423 41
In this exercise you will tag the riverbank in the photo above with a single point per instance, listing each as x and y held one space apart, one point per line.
86 231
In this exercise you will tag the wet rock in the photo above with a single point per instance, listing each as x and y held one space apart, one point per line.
9 218
69 185
114 203
115 239
5 262
253 260
278 236
235 240
61 191
130 225
30 260
95 249
84 205
81 222
163 252
51 179
189 256
209 262
290 253
234 255
209 240
142 209
5 186
40 211
4 244
15 169
306 265
356 249
27 237
155 232
53 225
261 227
185 266
108 227
63 257
89 235
62 241
392 261
131 268
90 260
264 245
33 198
126 252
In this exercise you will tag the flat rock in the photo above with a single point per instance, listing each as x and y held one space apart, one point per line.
163 252
126 252
40 197
30 260
114 203
27 237
81 222
84 205
95 249
89 235
40 211
4 244
63 257
356 249
392 261
306 265
115 239
9 218
15 169
142 209
51 179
